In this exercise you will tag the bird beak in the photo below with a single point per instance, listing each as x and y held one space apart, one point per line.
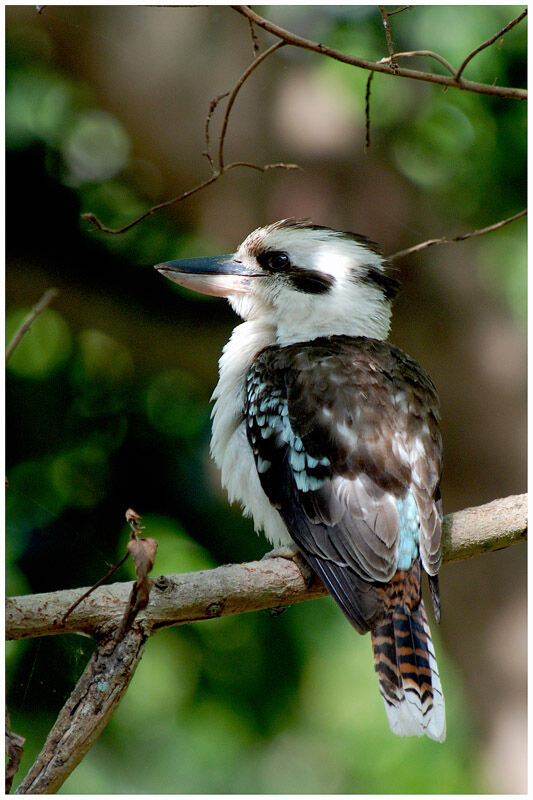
217 275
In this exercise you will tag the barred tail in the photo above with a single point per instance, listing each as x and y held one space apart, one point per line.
408 676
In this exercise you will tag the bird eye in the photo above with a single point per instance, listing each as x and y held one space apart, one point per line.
278 261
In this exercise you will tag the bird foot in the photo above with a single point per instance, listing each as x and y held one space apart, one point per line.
293 554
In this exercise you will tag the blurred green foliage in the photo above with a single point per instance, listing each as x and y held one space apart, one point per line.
254 704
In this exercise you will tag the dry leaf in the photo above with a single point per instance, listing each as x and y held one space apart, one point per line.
143 553
14 747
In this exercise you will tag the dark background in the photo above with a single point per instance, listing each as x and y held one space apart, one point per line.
107 399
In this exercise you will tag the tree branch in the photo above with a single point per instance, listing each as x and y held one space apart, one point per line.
355 61
216 173
86 713
428 53
399 10
48 297
234 94
461 238
388 36
367 111
486 528
236 588
178 599
490 41
387 65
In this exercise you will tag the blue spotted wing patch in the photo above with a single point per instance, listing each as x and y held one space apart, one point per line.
274 441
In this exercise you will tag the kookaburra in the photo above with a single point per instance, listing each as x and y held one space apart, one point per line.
328 437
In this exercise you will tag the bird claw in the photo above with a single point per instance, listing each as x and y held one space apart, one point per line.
293 554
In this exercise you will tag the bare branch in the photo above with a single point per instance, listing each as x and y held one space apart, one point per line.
101 227
386 65
388 36
89 591
178 599
237 588
489 42
236 89
483 529
462 237
216 173
399 10
214 103
367 111
86 713
43 303
428 53
263 168
346 58
255 40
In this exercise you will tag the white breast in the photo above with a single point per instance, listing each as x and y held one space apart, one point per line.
229 444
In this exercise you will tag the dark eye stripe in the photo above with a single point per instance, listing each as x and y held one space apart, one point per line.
303 280
386 283
311 281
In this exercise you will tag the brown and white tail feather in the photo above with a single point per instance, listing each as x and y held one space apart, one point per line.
408 676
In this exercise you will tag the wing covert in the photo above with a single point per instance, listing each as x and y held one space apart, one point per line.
346 442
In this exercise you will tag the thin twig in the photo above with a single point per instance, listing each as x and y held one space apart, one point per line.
216 173
443 80
367 111
260 168
89 591
490 41
246 74
101 227
388 36
255 40
399 10
43 303
429 53
212 106
460 238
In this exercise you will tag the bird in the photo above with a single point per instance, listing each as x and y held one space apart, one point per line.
328 437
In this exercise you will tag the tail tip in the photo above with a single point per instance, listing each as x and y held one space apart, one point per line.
404 720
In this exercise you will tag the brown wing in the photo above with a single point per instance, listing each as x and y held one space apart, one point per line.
343 430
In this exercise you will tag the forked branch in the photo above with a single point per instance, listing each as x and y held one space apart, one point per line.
218 170
179 599
388 65
454 81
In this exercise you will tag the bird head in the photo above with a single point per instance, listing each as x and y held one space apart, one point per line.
304 280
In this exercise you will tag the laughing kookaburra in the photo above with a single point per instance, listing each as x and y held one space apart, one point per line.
328 437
